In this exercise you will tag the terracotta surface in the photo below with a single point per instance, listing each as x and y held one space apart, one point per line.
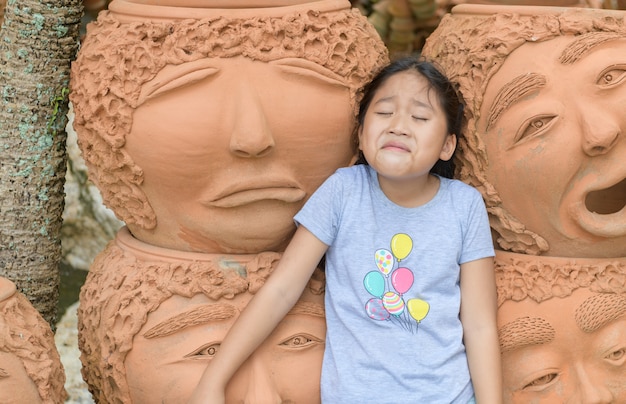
544 142
30 366
184 131
545 160
557 3
150 318
206 125
562 327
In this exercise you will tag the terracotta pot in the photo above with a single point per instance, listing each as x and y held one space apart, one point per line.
543 142
206 125
553 3
181 126
150 318
30 366
546 152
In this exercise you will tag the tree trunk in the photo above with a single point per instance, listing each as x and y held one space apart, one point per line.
2 4
38 41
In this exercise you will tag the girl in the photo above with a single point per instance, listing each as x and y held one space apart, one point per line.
410 294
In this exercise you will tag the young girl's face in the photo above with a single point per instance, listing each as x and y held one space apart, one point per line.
405 132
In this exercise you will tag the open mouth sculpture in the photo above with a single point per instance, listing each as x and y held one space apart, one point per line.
603 211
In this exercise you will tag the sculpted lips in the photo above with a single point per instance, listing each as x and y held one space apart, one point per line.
603 211
244 194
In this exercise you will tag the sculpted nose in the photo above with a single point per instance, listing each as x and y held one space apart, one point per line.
261 388
600 133
251 135
592 386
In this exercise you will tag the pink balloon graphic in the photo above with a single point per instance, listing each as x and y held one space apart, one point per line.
402 280
375 310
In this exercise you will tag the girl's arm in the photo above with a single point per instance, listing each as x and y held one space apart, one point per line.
263 313
480 333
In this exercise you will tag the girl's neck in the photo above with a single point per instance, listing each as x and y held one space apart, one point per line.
410 193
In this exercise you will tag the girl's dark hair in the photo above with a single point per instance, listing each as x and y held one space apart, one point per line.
446 94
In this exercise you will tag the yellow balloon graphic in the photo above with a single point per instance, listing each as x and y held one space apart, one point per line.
401 245
418 309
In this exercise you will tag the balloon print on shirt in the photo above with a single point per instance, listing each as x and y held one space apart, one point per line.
388 303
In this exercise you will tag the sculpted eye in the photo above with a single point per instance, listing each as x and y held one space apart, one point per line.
612 76
206 351
303 67
542 381
300 341
534 127
617 356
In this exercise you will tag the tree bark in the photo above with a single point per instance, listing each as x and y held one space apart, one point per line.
3 3
38 41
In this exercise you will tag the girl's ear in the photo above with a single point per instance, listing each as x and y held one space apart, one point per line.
448 147
359 133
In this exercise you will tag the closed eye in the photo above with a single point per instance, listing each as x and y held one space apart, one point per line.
533 127
300 341
206 351
612 76
303 67
173 77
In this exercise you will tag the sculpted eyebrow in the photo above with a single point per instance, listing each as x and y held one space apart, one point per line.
3 373
525 331
198 315
308 308
217 312
512 92
599 310
584 44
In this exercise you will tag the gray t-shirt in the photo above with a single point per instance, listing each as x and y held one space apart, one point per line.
392 293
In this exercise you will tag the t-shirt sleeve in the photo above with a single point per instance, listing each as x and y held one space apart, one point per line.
477 240
322 212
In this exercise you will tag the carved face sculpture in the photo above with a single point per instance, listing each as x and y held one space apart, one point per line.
545 93
15 385
565 350
228 160
207 132
554 126
30 366
171 351
151 318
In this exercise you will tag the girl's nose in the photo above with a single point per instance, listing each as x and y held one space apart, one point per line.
398 124
260 386
600 132
251 135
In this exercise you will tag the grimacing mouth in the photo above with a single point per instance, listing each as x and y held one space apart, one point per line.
245 192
